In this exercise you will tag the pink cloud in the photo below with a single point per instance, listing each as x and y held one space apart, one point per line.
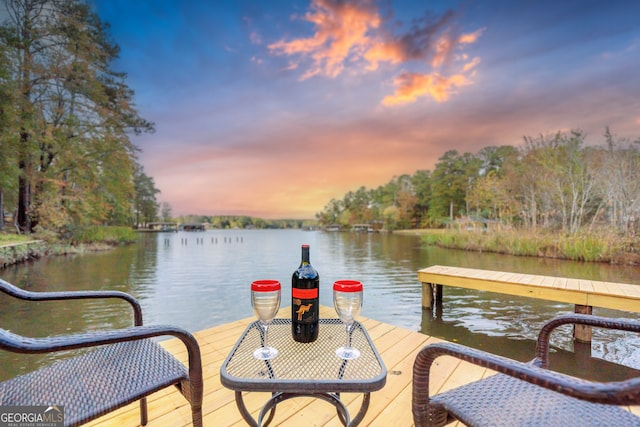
350 34
341 33
411 86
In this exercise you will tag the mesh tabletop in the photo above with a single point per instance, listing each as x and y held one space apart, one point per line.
304 367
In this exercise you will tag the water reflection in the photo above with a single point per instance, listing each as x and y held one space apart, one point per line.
478 329
200 280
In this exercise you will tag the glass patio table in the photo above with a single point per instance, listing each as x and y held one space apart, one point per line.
304 369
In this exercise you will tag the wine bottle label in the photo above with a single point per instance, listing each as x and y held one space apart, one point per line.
305 310
304 293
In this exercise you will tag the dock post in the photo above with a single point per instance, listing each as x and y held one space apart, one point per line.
427 295
582 333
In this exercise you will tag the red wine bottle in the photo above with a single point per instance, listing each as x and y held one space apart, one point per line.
305 307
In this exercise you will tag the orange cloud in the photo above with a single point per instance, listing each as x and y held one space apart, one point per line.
350 33
448 42
471 65
391 52
471 37
443 50
341 33
411 86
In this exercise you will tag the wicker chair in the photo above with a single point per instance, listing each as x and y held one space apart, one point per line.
124 367
525 394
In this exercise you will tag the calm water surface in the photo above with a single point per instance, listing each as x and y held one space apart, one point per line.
200 280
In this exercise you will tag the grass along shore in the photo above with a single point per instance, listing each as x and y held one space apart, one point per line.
16 248
587 246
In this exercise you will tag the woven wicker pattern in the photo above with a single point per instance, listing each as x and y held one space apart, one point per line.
97 382
124 366
528 394
505 401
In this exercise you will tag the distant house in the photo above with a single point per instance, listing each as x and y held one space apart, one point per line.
362 228
191 227
162 226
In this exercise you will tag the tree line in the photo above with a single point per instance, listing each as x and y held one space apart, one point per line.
243 222
66 159
551 182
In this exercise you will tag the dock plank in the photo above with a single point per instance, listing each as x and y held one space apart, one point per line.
398 348
618 296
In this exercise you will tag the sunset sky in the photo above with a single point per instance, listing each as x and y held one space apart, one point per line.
272 108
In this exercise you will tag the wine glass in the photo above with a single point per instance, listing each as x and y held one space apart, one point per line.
347 300
265 300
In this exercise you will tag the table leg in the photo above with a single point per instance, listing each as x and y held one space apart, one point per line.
243 410
333 398
247 416
366 397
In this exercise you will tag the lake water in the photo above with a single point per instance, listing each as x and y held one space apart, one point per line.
197 280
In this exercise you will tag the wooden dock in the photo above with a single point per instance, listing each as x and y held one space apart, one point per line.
585 294
389 406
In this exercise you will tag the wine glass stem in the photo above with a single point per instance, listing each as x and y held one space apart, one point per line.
266 334
348 328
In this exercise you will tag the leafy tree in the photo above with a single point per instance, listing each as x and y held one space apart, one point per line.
331 213
452 180
621 182
421 182
165 211
493 158
490 198
575 181
405 201
74 115
567 173
145 206
490 195
526 181
8 157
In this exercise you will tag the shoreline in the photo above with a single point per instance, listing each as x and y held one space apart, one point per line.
15 253
18 252
32 250
603 249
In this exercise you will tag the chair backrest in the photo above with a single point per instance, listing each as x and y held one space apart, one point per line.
17 292
13 290
10 341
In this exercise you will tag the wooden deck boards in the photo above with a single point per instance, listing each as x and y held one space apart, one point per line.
617 296
389 406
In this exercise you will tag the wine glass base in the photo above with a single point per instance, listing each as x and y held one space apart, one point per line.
348 353
265 353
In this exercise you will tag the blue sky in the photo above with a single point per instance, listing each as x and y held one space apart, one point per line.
272 108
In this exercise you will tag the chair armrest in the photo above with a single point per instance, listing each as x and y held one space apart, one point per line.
17 292
20 344
625 392
542 345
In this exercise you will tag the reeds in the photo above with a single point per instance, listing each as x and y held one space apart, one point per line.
584 246
104 234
